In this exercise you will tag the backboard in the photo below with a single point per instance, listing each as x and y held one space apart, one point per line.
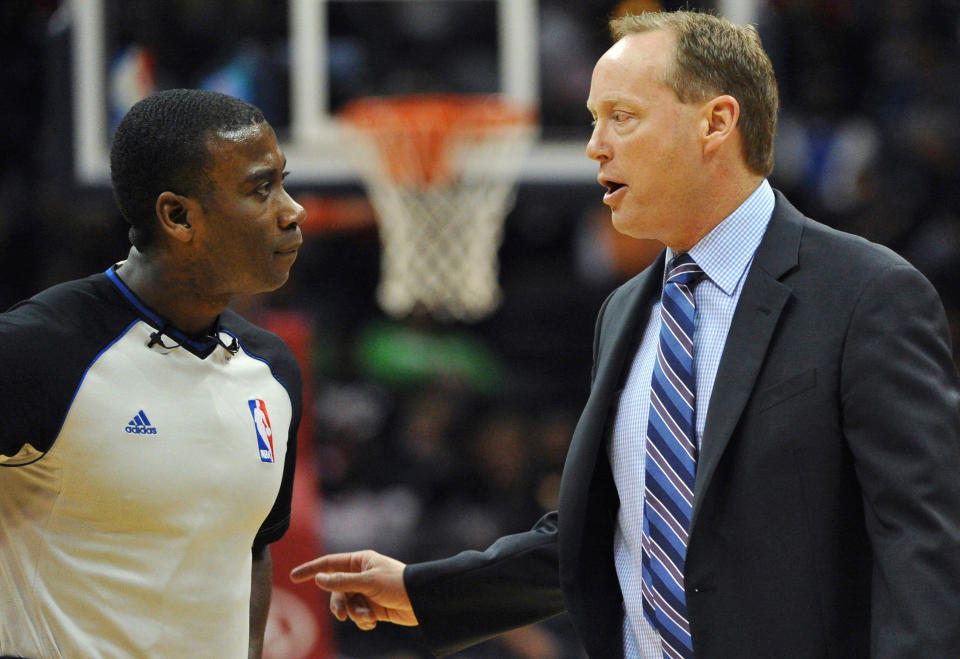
509 56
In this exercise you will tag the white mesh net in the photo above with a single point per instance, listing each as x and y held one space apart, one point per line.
440 173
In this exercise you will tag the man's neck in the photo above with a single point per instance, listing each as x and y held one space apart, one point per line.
714 206
165 289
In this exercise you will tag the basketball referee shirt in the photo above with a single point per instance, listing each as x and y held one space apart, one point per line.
137 470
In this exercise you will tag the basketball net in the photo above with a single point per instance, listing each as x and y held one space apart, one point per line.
440 172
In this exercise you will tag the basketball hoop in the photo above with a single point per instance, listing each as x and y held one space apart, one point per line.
440 172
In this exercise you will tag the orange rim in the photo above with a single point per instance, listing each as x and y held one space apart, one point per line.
415 134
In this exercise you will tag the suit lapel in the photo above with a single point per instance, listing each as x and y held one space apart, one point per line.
754 321
625 323
623 316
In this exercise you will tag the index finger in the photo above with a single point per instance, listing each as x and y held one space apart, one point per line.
328 563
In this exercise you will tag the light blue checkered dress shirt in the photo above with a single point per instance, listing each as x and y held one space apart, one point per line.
725 255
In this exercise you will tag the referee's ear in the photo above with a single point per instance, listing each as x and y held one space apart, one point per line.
173 214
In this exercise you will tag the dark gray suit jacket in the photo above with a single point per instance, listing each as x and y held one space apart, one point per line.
826 520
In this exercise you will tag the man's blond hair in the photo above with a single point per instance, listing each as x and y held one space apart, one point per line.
714 56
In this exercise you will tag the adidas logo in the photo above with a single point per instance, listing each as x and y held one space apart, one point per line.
140 425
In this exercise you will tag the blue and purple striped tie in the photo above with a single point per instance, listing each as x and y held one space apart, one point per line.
671 463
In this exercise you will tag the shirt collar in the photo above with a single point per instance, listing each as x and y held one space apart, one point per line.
728 249
200 345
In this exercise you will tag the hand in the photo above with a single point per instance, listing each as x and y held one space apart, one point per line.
365 586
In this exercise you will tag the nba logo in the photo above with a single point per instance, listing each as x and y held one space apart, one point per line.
261 423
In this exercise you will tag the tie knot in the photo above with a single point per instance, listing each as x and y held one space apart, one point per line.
683 270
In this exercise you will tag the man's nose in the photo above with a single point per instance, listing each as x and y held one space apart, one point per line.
597 147
292 213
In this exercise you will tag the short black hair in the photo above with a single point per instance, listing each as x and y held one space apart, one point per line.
161 144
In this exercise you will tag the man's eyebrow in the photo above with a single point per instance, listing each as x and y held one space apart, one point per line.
613 99
268 172
605 101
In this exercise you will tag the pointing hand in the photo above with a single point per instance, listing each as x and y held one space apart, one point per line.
365 586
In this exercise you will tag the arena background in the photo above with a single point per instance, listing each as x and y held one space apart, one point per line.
424 438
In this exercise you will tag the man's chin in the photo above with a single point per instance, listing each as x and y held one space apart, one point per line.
627 225
270 285
277 283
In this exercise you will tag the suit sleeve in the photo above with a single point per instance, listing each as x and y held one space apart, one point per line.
473 596
900 406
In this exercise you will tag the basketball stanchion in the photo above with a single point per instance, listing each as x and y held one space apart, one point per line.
440 171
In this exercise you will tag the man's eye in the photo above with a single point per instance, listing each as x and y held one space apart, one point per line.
264 189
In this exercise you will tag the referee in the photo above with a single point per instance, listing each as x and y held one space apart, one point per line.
148 436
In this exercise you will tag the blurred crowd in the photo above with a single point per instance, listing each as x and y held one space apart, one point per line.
431 438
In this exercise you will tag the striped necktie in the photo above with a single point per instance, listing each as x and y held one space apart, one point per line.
671 462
